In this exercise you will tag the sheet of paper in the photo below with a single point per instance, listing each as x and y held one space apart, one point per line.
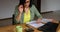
46 20
34 24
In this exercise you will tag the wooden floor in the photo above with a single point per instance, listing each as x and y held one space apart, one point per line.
54 15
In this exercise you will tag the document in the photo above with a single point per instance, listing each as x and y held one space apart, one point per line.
34 24
46 20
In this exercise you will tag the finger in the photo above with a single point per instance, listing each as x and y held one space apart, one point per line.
21 6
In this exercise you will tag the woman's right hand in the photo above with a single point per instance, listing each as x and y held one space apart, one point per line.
20 8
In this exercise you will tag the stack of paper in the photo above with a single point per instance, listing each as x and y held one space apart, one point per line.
34 24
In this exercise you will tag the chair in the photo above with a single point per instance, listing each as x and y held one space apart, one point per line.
13 19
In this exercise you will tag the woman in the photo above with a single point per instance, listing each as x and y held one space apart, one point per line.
25 12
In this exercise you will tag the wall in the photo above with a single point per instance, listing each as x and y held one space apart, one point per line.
50 5
7 8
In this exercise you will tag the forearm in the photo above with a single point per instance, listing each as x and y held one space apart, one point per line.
18 17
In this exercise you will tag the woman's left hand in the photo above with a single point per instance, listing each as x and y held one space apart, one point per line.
38 21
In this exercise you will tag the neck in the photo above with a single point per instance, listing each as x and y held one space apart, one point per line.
26 9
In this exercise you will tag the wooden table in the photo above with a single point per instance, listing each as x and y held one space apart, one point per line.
58 29
11 28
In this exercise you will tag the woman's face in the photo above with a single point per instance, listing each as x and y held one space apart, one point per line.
27 3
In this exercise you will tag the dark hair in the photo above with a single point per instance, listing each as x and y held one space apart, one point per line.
21 2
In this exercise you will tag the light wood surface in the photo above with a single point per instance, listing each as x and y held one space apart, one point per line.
11 28
58 29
